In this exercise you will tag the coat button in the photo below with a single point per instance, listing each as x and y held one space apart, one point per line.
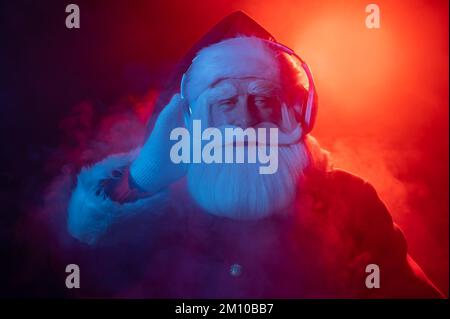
235 270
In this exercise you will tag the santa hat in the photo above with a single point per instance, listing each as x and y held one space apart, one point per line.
235 25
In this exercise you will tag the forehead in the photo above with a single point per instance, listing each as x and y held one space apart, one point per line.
246 85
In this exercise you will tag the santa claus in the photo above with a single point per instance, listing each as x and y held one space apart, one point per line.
223 229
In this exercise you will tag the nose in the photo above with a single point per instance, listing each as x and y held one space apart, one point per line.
245 115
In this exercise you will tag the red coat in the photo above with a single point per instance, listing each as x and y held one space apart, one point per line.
337 227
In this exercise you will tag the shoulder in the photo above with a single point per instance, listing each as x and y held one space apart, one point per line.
346 179
353 201
356 189
353 188
368 215
338 184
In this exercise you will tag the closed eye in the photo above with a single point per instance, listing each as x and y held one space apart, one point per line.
263 101
227 102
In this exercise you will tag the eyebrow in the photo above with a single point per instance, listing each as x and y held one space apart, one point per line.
260 87
219 93
212 85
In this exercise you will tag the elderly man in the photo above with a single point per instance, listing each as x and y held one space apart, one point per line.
218 228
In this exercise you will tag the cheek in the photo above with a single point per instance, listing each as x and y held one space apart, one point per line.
266 114
220 117
270 115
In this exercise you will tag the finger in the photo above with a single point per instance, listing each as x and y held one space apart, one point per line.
287 122
170 117
173 109
201 109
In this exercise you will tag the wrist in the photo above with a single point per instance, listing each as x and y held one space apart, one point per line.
122 188
144 174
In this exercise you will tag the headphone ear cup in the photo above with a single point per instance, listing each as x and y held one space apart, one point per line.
300 110
186 121
186 115
309 113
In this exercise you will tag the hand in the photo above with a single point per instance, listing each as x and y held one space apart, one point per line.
153 169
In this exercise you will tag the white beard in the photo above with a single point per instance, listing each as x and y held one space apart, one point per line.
239 191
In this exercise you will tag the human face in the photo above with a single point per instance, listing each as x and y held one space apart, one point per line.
245 102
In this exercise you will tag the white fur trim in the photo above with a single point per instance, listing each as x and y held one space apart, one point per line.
92 213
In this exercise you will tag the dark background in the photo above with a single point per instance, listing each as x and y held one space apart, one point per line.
383 101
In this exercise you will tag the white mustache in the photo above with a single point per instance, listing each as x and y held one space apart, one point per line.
285 138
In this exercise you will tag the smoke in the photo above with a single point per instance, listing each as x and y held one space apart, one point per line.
383 104
383 98
87 135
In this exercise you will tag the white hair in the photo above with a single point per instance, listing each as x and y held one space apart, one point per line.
233 57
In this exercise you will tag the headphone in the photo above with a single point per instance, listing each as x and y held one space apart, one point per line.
308 109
